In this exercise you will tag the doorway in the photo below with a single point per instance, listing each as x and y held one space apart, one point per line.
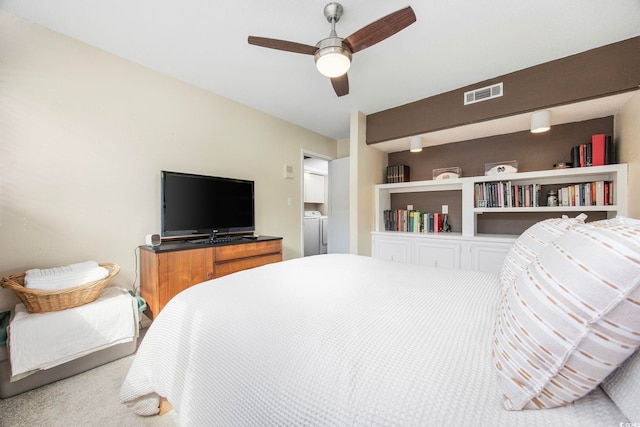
316 205
326 205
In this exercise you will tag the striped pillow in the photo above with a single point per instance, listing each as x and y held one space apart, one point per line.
571 318
530 243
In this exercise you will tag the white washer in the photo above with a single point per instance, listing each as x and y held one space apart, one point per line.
315 233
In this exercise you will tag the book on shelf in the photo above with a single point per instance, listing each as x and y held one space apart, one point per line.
412 221
504 194
598 149
397 173
609 152
597 152
598 193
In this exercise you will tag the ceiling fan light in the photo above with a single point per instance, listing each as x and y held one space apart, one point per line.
333 61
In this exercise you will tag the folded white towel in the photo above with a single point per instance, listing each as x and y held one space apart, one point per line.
66 280
48 272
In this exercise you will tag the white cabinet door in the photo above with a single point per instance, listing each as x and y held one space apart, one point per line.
338 237
437 253
486 256
314 188
391 248
442 251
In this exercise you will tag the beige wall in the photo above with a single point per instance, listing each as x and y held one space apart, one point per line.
627 131
366 165
343 148
84 135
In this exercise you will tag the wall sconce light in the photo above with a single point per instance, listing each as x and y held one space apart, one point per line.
416 144
540 121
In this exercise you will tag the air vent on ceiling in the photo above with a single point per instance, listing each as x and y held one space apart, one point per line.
483 94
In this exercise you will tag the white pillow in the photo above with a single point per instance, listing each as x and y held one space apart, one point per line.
531 243
571 318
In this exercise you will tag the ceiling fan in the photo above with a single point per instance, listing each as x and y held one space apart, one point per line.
333 54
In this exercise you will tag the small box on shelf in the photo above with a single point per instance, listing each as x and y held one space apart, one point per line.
447 173
500 168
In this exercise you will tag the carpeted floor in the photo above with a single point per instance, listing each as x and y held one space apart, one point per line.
87 399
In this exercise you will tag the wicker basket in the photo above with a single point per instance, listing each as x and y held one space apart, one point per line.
41 301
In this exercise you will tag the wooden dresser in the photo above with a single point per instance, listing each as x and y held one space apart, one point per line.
167 269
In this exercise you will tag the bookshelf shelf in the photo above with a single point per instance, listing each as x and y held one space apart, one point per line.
464 188
557 209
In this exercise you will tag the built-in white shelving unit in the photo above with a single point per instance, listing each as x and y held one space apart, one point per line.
412 247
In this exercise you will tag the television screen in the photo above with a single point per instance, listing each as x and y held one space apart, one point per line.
199 204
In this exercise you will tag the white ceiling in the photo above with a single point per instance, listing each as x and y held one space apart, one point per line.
454 43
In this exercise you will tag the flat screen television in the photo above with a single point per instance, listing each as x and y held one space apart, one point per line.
200 204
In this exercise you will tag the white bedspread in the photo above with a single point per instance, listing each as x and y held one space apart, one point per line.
336 340
45 340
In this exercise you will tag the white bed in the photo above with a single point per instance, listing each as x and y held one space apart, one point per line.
336 340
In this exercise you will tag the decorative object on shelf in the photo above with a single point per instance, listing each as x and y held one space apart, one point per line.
500 168
447 173
561 165
552 198
446 227
397 173
540 121
416 144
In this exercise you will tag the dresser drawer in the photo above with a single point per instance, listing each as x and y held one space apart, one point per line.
228 267
248 250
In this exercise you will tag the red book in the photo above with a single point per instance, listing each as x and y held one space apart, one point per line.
582 154
597 150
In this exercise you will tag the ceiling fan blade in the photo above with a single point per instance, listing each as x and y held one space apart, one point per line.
341 84
283 45
380 29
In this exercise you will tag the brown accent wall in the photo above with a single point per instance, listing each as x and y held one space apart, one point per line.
603 71
533 152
